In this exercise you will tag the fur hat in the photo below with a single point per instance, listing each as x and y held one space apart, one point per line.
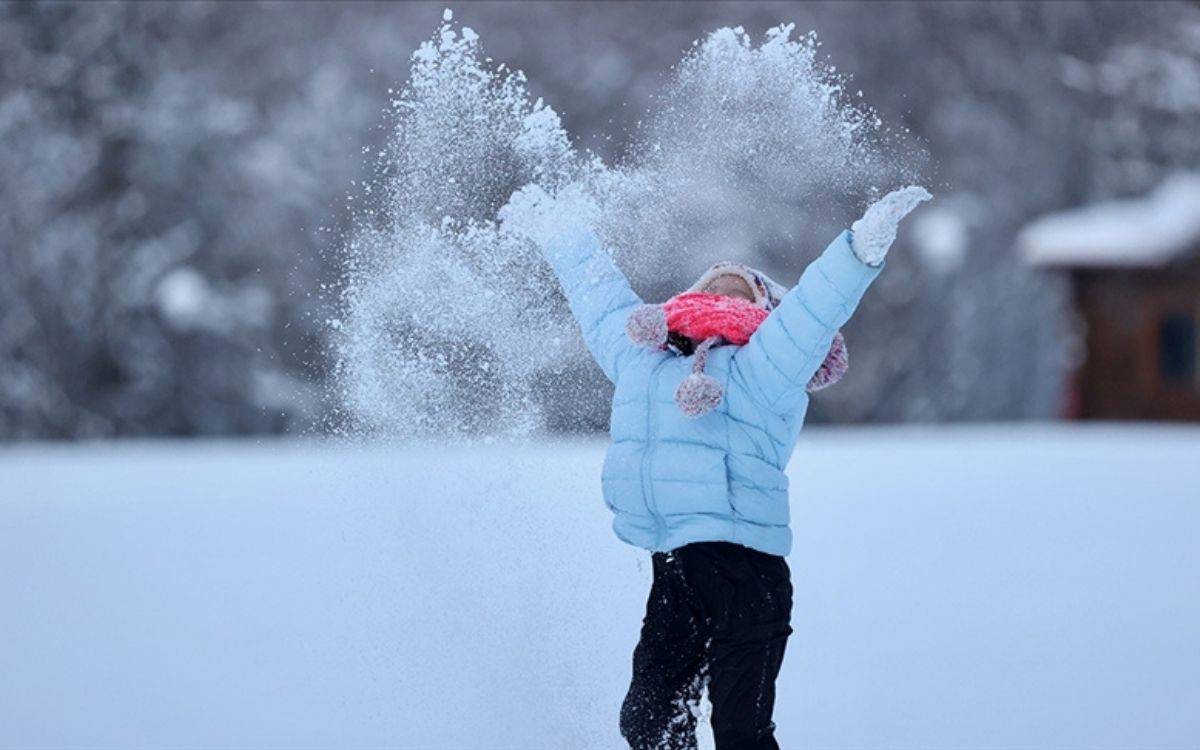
694 321
767 292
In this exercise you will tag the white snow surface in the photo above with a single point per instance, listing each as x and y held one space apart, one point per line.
1142 232
991 587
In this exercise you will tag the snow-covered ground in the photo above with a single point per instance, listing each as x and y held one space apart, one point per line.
1003 587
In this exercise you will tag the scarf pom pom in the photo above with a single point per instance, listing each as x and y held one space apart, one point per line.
837 361
698 394
647 326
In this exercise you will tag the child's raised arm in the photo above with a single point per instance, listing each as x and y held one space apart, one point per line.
782 355
598 293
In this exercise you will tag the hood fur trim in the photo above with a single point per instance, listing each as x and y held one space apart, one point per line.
768 293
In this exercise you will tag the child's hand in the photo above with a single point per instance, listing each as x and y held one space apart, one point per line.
874 233
533 213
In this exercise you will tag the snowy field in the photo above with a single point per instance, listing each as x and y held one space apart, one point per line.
997 587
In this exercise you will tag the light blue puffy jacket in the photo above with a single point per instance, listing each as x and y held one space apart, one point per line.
671 479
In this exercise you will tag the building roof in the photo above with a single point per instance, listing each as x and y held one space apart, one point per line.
1145 232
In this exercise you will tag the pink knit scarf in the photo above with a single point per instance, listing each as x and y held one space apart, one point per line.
699 316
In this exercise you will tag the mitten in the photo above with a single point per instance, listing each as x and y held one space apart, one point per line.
873 234
533 213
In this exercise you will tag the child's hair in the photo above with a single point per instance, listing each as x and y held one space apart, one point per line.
680 343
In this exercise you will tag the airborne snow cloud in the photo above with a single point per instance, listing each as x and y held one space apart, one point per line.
451 322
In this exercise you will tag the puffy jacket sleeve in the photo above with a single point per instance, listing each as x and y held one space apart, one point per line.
598 293
777 362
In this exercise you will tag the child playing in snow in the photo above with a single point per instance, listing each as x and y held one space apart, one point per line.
711 392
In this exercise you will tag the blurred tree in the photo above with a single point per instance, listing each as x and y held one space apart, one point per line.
175 180
164 166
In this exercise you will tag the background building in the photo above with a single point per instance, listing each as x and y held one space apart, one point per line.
1134 267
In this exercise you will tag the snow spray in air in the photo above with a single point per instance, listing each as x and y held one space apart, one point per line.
452 325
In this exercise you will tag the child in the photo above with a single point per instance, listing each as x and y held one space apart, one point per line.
701 435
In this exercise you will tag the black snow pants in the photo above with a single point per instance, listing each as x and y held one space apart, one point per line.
717 613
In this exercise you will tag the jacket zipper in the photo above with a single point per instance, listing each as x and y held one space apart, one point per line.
647 481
